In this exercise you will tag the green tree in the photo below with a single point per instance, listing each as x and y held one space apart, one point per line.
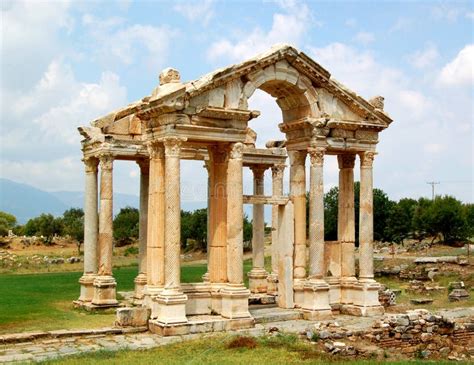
247 229
7 222
448 219
400 221
73 222
422 222
126 225
45 225
469 214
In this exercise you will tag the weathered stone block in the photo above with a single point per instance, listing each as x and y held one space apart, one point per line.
132 316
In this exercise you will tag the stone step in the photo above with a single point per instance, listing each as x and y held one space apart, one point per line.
266 315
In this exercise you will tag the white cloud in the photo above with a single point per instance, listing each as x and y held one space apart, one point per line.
446 12
401 25
424 57
201 11
296 17
364 38
119 44
460 71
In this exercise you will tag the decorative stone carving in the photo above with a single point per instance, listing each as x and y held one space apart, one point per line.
169 75
316 156
377 102
155 150
90 164
346 161
172 146
367 159
236 151
106 161
277 171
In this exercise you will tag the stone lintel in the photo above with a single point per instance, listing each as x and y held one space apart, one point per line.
263 199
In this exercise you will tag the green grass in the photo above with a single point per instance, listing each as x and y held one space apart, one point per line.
31 302
280 349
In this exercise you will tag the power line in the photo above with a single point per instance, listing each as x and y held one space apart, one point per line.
433 183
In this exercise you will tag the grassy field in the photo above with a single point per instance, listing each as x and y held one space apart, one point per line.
44 301
275 350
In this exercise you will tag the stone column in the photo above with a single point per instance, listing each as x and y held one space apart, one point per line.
90 231
104 283
366 218
258 275
205 277
234 294
366 298
155 226
298 196
277 190
171 300
217 255
141 280
346 225
316 302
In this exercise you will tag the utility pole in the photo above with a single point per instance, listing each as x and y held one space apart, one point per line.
433 183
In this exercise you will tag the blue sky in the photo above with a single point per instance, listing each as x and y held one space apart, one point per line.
66 63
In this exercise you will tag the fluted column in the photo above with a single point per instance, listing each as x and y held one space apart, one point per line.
141 280
366 218
298 196
277 190
104 284
258 275
217 255
155 225
234 294
316 215
90 230
171 301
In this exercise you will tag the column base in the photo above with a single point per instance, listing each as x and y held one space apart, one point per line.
257 281
149 292
171 307
105 292
348 287
334 290
205 277
87 288
365 294
235 301
216 297
272 284
316 300
298 290
139 293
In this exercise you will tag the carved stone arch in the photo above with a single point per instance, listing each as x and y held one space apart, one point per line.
294 92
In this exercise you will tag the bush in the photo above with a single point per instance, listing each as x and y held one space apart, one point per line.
45 225
7 222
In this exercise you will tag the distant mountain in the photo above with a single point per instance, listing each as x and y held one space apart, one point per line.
26 202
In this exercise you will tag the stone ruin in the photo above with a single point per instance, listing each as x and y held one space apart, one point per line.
207 120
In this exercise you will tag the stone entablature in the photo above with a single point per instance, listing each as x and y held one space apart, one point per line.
207 119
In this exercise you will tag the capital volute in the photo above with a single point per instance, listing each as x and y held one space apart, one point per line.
316 155
237 151
106 161
277 171
346 161
258 171
367 159
173 146
91 164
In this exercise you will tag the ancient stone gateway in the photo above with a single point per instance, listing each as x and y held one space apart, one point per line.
207 119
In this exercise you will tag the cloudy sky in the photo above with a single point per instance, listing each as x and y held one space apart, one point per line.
66 63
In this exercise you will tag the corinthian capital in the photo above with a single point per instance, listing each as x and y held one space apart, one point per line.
106 161
346 161
90 164
316 156
155 149
367 159
172 146
237 150
277 171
